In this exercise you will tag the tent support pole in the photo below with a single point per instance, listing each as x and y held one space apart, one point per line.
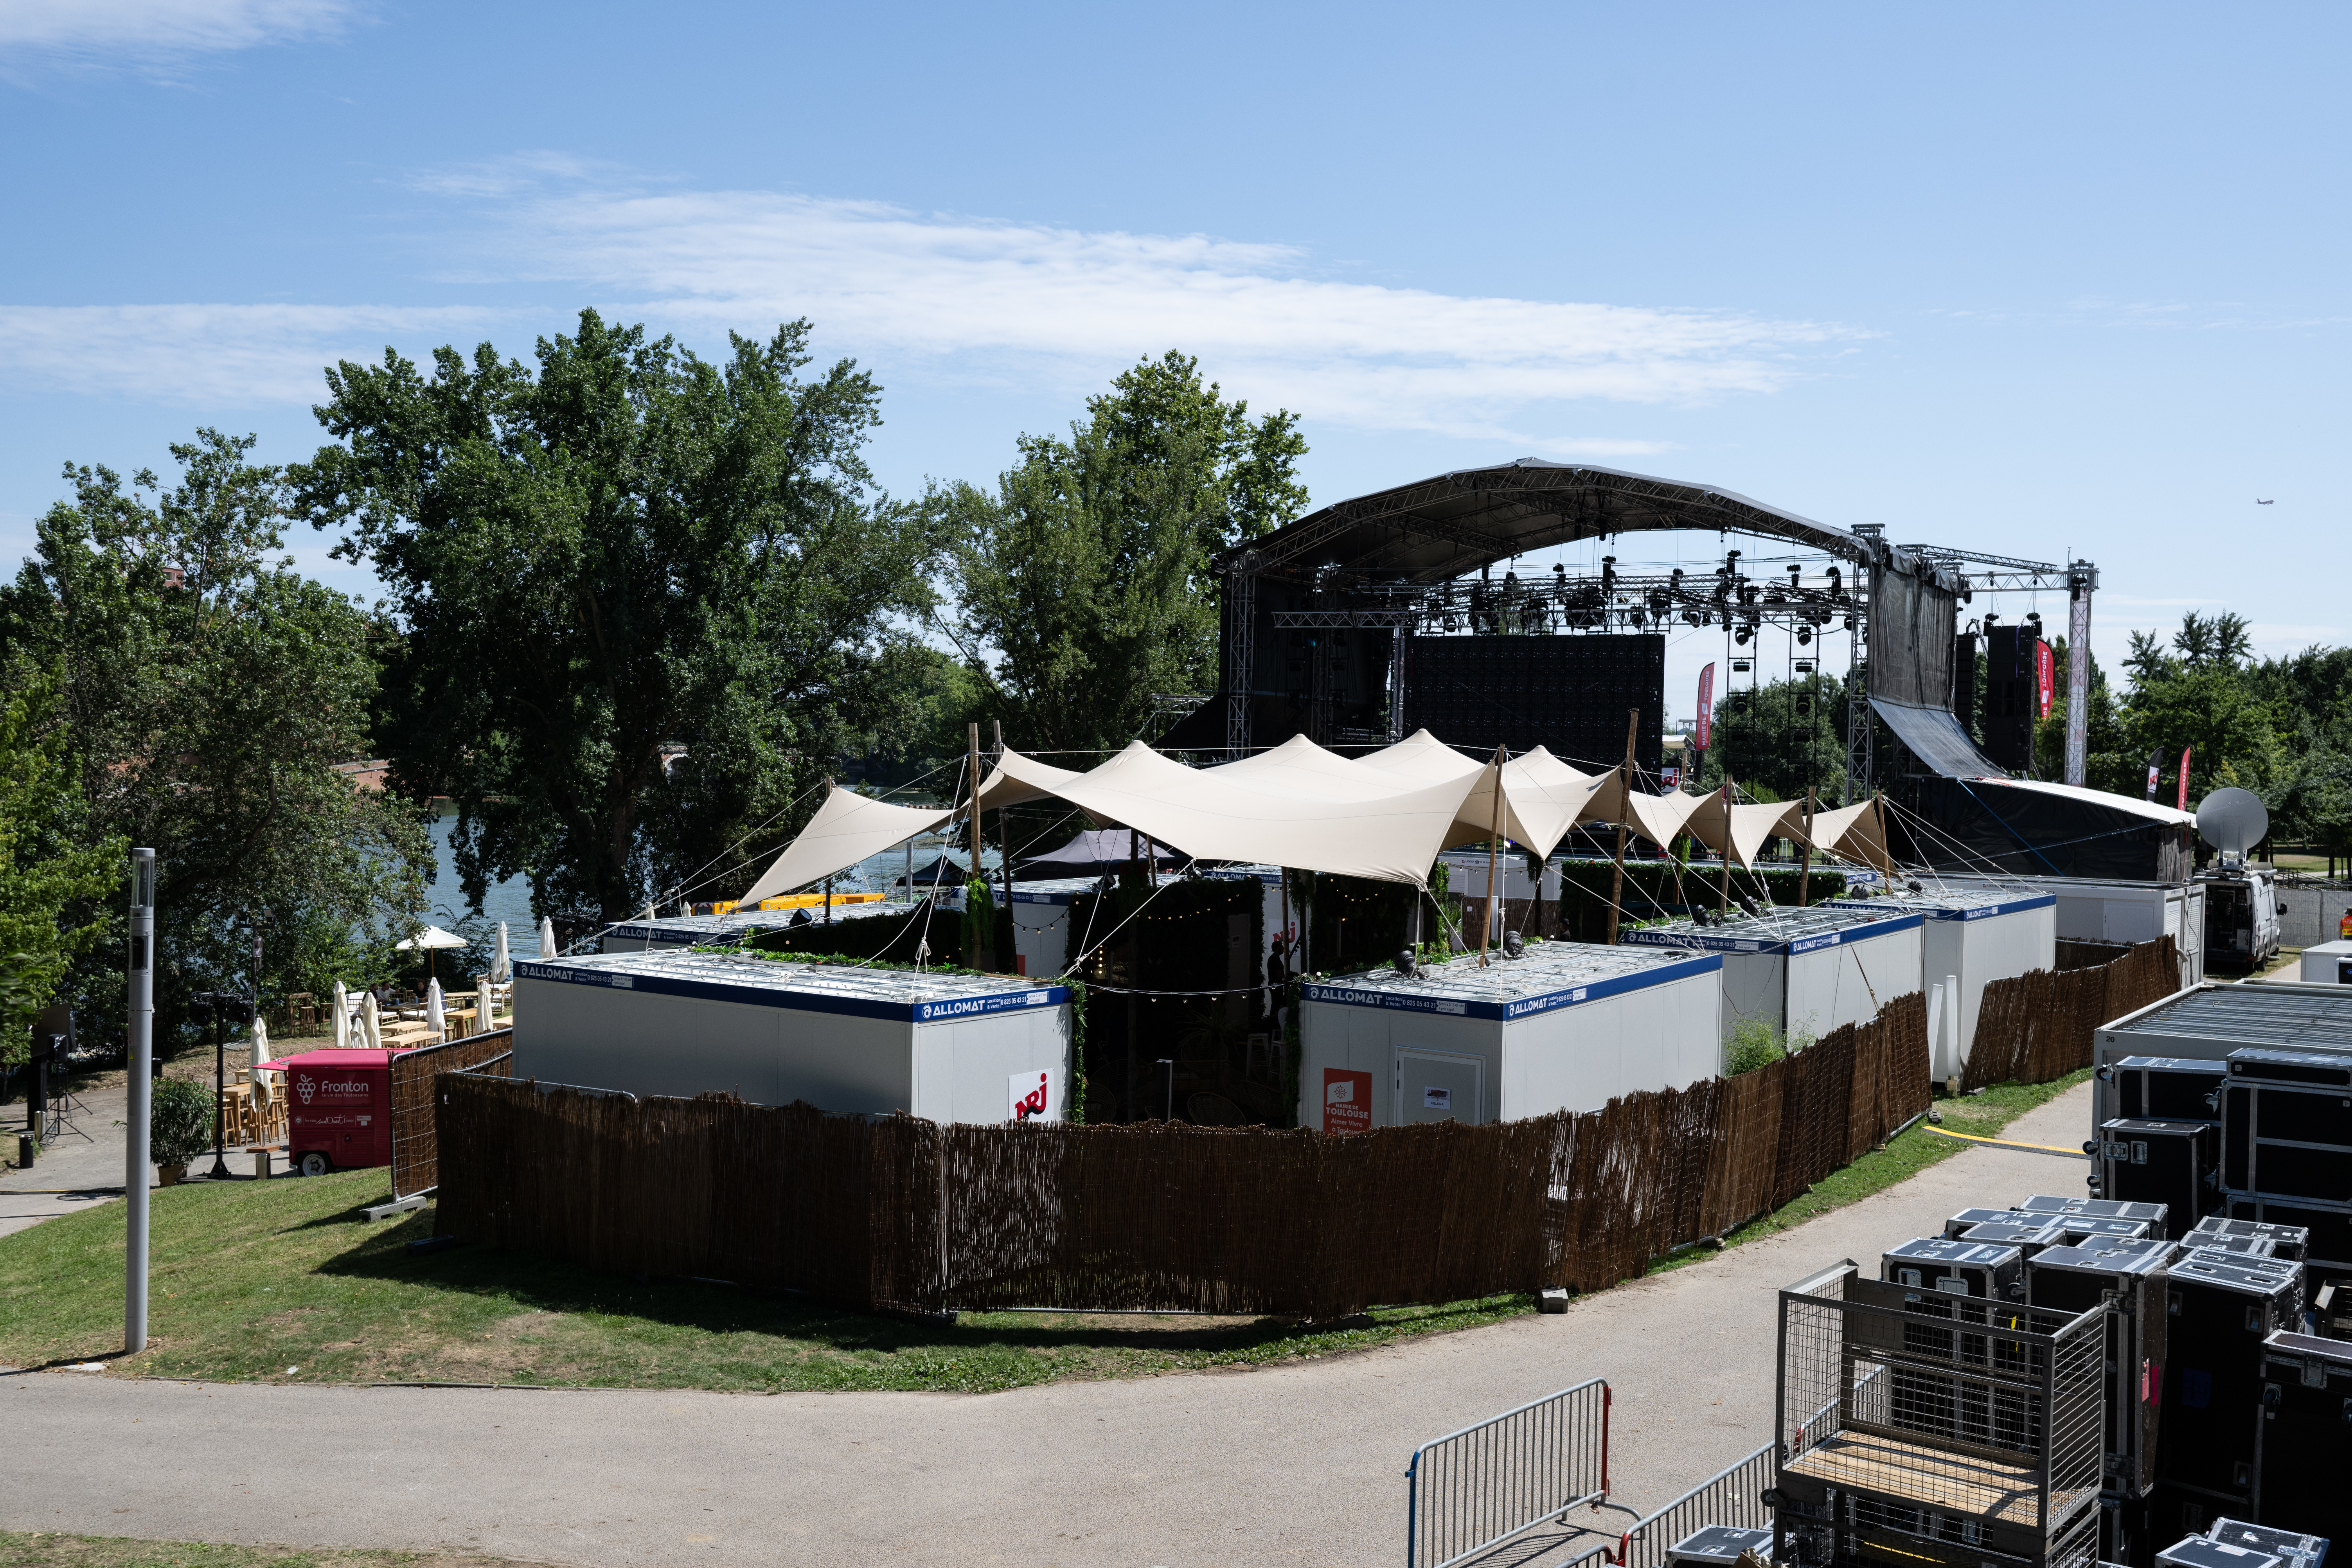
1723 893
1805 860
1004 844
1493 854
973 838
1625 787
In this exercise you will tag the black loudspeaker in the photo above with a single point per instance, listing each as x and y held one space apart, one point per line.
2222 1312
2129 1281
2167 1163
2306 1431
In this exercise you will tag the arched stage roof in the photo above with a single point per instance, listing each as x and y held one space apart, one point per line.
1440 528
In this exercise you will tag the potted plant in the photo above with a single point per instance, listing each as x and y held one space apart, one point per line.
179 1127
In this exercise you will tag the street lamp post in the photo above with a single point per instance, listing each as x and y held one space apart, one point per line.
135 1173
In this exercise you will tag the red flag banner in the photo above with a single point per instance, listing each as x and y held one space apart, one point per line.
2182 803
1706 706
2045 679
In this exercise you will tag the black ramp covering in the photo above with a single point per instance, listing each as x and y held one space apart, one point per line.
1934 737
2032 829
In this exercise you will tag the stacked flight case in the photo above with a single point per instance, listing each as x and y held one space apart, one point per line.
2286 1147
2223 1307
2303 1471
2164 1147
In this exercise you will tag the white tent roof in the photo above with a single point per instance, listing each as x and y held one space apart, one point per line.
1278 816
846 829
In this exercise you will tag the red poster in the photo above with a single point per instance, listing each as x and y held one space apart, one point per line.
1347 1100
2045 679
2182 803
1706 705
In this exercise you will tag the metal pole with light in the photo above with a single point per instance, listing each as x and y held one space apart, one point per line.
135 1173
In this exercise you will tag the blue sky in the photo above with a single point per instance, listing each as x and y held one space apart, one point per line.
2035 279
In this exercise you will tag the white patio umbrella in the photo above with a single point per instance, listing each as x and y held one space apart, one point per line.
261 1042
371 1025
502 966
342 1022
547 937
482 1004
435 1015
427 942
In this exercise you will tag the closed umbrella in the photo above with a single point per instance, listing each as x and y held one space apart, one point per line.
435 1016
342 1037
547 937
371 1025
502 966
260 1041
482 1005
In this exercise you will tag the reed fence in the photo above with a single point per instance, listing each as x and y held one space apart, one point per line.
2038 1026
897 1213
416 1149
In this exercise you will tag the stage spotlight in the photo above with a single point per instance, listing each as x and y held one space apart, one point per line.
1741 637
1804 635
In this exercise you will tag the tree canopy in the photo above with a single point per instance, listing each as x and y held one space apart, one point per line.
1082 584
205 697
620 552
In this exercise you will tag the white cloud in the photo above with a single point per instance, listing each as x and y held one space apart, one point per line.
210 355
955 300
151 28
1258 314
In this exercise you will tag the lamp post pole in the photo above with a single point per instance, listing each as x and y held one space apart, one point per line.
142 1054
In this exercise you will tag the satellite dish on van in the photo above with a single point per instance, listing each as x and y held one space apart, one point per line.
2231 820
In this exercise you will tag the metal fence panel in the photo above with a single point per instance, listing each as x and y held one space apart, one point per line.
1471 1489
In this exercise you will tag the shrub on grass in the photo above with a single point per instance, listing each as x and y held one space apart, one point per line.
1754 1043
180 1123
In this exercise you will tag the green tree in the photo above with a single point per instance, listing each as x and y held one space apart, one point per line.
207 697
624 548
1083 584
2198 695
53 869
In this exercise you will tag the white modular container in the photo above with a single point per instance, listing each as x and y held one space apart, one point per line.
2208 1021
1802 970
949 1048
1567 1028
2090 910
2326 963
1976 938
656 934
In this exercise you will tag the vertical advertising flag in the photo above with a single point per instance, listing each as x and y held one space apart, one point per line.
2155 772
2045 680
1706 705
2182 803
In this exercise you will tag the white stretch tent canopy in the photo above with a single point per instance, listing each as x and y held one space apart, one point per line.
1383 817
846 829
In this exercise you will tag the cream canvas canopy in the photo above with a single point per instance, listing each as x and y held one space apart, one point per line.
1384 817
846 829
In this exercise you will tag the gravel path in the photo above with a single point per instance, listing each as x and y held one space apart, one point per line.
1300 1464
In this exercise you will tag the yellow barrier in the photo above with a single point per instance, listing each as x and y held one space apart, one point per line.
800 902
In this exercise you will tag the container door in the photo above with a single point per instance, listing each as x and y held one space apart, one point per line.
1440 1086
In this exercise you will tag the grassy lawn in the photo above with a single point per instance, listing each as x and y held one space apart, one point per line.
284 1281
119 1552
